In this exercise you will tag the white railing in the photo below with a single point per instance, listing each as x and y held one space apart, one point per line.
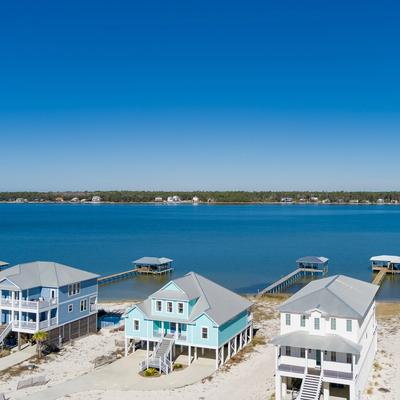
5 332
30 304
53 321
93 307
24 325
43 324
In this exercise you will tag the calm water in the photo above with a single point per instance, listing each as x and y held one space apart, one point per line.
241 247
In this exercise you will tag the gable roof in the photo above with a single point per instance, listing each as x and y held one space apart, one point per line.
386 258
338 295
153 261
217 302
312 260
44 273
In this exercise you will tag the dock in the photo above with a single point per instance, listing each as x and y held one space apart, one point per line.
309 265
380 277
383 265
103 280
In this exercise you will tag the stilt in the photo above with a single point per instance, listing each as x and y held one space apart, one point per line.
19 341
190 355
216 358
126 346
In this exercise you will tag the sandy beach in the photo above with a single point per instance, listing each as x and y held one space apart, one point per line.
250 375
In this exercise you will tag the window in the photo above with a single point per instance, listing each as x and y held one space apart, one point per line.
349 325
302 352
83 305
74 288
349 358
287 351
180 308
288 319
204 332
158 305
333 356
316 324
136 325
333 324
169 306
70 307
303 321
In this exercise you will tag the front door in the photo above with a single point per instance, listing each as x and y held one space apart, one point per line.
318 358
173 327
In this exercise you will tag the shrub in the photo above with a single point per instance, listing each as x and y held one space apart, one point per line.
151 372
178 366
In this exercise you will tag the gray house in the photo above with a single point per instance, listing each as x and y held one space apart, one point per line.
50 297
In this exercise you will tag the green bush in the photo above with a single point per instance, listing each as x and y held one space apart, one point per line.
151 372
178 366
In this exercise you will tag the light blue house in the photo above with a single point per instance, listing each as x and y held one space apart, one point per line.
189 315
50 297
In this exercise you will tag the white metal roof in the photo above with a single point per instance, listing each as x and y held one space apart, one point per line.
153 261
44 273
338 296
317 342
313 260
3 263
385 258
217 302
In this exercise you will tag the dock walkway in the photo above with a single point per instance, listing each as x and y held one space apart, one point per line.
379 277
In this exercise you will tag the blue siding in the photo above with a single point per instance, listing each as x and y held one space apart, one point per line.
232 328
195 332
144 325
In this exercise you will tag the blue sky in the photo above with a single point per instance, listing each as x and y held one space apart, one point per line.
254 95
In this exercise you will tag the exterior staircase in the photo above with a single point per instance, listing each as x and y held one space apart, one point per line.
310 387
160 358
4 331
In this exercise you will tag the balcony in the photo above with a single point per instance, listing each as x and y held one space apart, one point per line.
32 325
26 304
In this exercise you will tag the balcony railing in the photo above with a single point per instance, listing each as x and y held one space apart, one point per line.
32 325
173 335
27 304
338 374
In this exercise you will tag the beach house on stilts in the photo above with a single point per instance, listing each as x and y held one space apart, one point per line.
328 340
190 315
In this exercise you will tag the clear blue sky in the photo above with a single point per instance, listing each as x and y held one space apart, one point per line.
199 95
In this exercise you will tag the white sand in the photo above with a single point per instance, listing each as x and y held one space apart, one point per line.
251 378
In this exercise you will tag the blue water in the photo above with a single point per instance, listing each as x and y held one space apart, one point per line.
243 247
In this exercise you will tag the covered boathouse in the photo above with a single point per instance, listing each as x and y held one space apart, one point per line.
153 265
390 264
313 264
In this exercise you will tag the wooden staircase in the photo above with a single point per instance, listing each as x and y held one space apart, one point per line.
310 387
4 331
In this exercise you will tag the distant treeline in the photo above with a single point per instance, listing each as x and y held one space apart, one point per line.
203 196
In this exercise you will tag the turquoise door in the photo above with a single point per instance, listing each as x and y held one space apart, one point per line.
157 327
318 358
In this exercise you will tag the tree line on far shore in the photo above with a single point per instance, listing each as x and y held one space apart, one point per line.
206 196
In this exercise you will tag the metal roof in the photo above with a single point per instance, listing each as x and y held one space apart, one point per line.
313 260
44 273
328 342
391 259
338 295
3 263
217 302
153 261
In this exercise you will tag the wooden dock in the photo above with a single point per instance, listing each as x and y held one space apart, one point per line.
288 280
379 277
118 276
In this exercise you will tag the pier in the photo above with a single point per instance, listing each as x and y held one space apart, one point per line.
384 265
309 265
103 280
379 277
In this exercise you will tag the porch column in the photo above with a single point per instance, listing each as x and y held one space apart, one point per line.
278 387
284 386
12 302
48 317
147 350
195 353
216 358
306 354
251 332
190 354
322 360
229 349
353 364
162 328
235 344
276 357
352 392
241 341
326 390
222 355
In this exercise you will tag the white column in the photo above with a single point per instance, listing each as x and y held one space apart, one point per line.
190 354
251 332
284 386
48 318
12 308
352 391
147 350
126 346
229 349
216 358
241 342
278 387
195 353
235 344
326 390
222 355
306 354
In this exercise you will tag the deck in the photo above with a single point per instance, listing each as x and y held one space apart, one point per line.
288 280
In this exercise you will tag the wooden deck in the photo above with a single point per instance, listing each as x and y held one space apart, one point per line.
288 280
103 280
379 277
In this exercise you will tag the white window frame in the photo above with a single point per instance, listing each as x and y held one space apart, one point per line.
180 304
303 321
83 303
349 325
206 331
333 324
172 306
317 323
136 321
158 302
288 319
70 308
74 289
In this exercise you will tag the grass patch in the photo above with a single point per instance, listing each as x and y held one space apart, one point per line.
151 372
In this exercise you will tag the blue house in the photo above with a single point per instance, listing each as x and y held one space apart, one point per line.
46 296
189 315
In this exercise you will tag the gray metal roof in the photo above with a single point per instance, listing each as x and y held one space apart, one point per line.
328 342
153 261
3 263
217 302
338 296
44 273
312 260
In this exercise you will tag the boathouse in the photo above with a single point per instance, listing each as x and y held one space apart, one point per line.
313 264
389 263
153 265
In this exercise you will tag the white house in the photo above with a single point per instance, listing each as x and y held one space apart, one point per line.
328 340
